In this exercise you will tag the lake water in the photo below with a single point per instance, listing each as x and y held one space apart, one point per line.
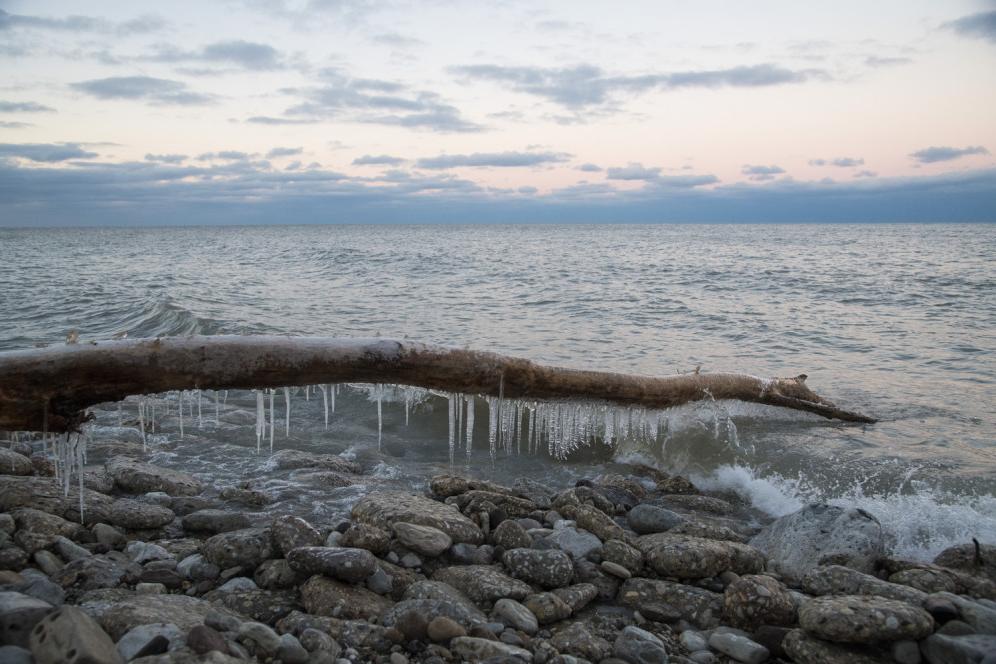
895 321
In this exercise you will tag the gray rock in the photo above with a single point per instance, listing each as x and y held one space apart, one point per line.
638 646
384 508
261 636
685 557
69 550
515 615
276 575
46 496
151 639
476 650
550 568
291 651
315 640
739 648
968 649
578 639
753 600
70 635
437 590
94 572
109 536
118 611
442 629
665 601
197 568
351 565
615 569
40 587
577 596
134 476
821 534
16 655
136 515
425 540
150 588
648 519
621 553
906 652
12 463
238 584
428 609
48 562
575 542
215 521
38 530
291 532
19 613
802 647
290 459
203 639
469 554
143 552
223 621
410 561
840 580
482 584
364 536
380 582
693 641
863 619
548 608
982 618
238 548
510 535
327 597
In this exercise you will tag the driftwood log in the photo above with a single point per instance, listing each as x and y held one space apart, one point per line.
49 389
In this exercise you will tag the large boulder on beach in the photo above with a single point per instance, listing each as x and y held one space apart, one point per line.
821 535
215 521
864 619
288 459
802 647
665 601
292 532
689 557
483 584
137 515
18 615
350 565
133 476
118 610
323 596
754 600
44 494
38 530
549 568
239 548
840 580
12 463
385 508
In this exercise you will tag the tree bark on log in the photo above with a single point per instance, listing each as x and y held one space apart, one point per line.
50 388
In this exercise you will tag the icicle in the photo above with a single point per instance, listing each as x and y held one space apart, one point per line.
273 394
141 420
260 419
180 410
493 425
408 401
307 392
286 414
380 414
451 407
470 423
459 410
217 409
518 427
200 418
325 404
120 415
334 389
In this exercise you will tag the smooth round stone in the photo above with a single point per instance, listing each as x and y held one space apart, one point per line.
515 615
615 569
424 540
754 600
648 519
551 568
350 565
863 619
739 648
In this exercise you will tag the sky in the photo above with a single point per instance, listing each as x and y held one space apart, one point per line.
359 111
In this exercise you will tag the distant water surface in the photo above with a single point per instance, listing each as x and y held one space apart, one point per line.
896 321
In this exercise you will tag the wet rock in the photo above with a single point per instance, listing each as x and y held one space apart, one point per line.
821 534
580 640
69 550
276 575
136 515
94 573
638 646
152 639
925 579
802 647
738 647
424 540
291 532
12 463
262 637
48 562
42 494
291 651
40 587
648 519
980 616
245 495
265 606
607 585
364 536
239 548
203 639
598 523
577 596
327 597
109 536
967 649
442 629
622 554
13 558
428 609
695 503
70 635
863 619
534 491
515 615
549 568
118 611
133 476
16 655
840 580
482 584
665 601
676 484
752 601
684 557
38 530
19 613
567 501
510 535
383 509
512 506
476 650
197 568
548 608
708 530
143 552
575 542
445 486
468 554
350 565
971 558
168 578
289 459
215 521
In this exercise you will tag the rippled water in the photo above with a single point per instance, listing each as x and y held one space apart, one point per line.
896 321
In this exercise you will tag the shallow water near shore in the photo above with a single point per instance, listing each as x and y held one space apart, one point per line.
895 321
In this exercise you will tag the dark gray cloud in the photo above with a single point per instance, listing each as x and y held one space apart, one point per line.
341 97
378 160
146 88
590 168
842 162
24 107
981 26
945 153
248 55
652 176
227 155
166 158
492 159
283 152
586 85
633 172
48 153
76 23
761 173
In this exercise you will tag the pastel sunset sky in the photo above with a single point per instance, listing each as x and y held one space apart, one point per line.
339 111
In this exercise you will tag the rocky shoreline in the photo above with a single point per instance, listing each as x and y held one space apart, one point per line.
634 568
